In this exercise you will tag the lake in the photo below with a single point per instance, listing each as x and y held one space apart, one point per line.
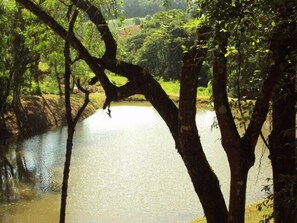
124 169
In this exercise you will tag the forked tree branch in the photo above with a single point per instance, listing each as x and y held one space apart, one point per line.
140 81
98 20
225 118
192 60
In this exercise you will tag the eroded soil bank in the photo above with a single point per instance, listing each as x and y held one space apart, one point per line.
40 113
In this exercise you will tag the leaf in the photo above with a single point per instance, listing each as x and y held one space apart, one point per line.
223 30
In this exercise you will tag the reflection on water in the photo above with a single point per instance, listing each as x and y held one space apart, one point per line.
16 180
125 169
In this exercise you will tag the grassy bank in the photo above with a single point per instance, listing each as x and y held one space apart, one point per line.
170 87
39 113
252 214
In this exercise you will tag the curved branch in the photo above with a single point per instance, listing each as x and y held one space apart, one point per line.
147 85
86 102
192 63
75 43
97 18
119 93
262 103
221 104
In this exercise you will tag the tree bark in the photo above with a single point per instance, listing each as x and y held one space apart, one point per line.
203 178
231 141
71 122
239 150
282 140
142 82
283 152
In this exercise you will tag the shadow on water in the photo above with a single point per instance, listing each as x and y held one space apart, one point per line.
124 169
16 180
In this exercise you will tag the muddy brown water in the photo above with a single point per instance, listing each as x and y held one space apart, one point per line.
124 169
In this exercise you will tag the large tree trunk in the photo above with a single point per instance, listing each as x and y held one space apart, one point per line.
231 141
282 140
239 150
282 144
239 167
203 178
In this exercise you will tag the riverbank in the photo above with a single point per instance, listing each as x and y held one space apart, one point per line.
41 113
252 214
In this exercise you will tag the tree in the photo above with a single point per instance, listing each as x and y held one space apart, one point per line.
5 75
21 55
277 66
158 45
282 140
71 121
18 63
181 120
137 8
14 65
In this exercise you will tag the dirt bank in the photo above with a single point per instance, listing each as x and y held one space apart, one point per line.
40 113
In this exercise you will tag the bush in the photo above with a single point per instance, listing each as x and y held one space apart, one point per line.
147 17
137 21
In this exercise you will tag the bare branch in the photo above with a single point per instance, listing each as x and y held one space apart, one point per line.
147 85
192 60
221 104
86 102
68 70
70 123
82 51
97 18
262 105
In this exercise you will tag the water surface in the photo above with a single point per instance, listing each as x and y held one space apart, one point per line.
124 169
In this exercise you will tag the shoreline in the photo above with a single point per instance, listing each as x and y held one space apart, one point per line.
39 114
42 113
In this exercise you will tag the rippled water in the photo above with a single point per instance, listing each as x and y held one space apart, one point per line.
124 169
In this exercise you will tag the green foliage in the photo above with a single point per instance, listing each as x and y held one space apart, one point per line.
249 29
49 86
171 87
137 21
5 51
141 8
205 91
158 46
117 80
147 17
17 56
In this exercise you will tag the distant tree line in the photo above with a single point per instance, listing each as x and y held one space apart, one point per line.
161 43
141 8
